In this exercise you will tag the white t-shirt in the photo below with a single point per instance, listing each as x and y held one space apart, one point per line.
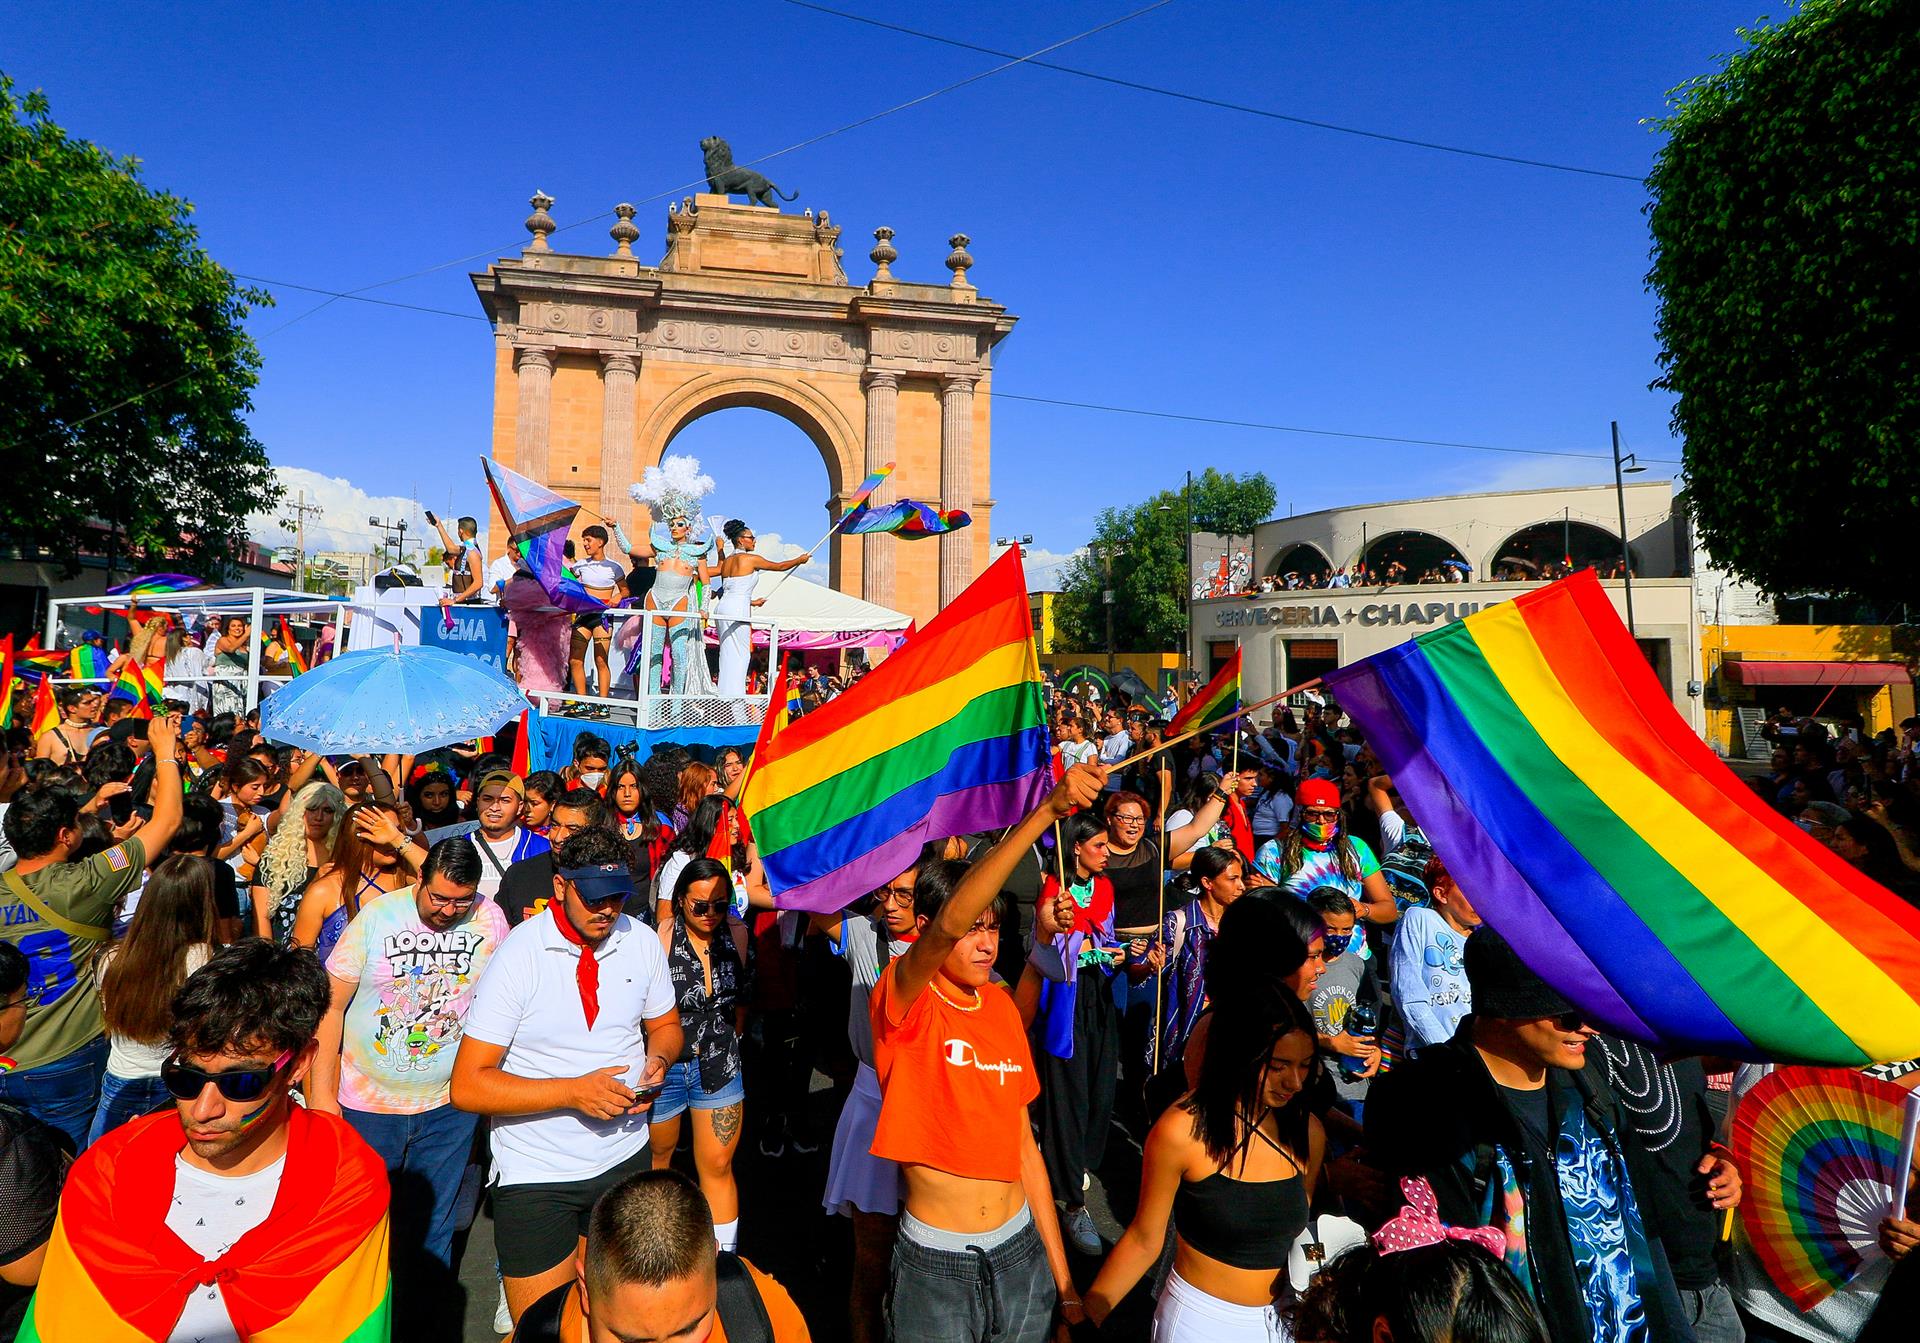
529 1002
131 1058
1077 753
210 1213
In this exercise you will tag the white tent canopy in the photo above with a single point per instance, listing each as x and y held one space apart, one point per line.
810 615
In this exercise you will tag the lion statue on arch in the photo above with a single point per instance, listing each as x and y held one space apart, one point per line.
724 179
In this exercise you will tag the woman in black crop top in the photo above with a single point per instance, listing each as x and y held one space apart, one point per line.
1234 1163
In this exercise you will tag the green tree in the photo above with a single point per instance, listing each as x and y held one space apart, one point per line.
124 368
1146 544
1786 246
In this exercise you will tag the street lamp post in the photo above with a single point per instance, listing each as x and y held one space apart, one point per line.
1623 467
1106 552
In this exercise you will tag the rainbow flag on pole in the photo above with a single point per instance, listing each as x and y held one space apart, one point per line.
87 662
314 1272
1216 698
130 687
6 682
946 737
46 713
154 585
1625 863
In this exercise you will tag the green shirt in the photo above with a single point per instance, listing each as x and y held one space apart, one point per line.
63 995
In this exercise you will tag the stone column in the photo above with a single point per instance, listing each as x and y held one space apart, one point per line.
956 482
619 371
534 364
876 552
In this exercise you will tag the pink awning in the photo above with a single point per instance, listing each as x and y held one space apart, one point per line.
1816 673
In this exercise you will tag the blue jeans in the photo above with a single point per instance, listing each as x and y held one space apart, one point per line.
426 1154
124 1098
62 1094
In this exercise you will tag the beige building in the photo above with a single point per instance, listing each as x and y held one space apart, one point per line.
600 360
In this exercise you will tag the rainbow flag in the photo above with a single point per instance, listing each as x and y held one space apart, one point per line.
1216 698
537 521
153 585
292 647
46 713
87 663
1625 863
908 519
946 737
864 493
314 1272
131 687
6 682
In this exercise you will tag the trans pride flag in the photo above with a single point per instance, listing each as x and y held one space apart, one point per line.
537 521
1625 863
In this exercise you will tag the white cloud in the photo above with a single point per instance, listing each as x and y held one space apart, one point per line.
776 547
1045 568
344 510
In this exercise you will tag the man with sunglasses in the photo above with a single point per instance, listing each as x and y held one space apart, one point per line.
277 1213
403 976
1507 1115
567 1044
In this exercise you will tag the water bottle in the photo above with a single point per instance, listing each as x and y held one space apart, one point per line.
1361 1023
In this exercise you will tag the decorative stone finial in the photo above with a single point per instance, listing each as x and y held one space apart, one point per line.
883 254
959 259
623 231
540 224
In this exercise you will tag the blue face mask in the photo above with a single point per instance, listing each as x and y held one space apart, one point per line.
1335 944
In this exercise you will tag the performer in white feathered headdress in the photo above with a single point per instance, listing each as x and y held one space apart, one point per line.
680 548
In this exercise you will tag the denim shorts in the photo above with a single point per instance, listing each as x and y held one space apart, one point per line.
683 1092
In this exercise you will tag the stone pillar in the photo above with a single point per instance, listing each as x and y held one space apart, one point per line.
956 482
534 363
876 552
619 371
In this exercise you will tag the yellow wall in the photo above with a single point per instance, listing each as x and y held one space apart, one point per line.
1881 706
1158 670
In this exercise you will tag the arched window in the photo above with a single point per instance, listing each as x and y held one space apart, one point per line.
1412 557
1556 547
1306 562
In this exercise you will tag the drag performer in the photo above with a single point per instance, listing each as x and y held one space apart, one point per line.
739 573
672 491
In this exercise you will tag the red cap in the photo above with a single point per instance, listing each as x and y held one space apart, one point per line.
1317 793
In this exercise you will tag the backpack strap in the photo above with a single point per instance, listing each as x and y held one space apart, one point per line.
540 1322
742 1313
85 932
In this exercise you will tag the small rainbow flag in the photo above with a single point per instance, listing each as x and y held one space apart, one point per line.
1216 698
46 714
130 687
292 647
1623 860
946 737
316 1272
153 585
6 682
865 492
87 662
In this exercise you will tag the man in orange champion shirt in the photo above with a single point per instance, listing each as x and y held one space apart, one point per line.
979 1253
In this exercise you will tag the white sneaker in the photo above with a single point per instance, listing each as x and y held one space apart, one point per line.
502 1317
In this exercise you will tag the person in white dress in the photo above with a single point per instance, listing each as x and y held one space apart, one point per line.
739 574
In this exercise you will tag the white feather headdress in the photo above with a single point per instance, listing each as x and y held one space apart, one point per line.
673 489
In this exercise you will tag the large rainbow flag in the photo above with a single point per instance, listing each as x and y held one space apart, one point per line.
154 585
1215 699
314 1272
948 736
537 521
1627 865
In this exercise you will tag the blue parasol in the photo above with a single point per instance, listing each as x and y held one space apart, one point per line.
405 700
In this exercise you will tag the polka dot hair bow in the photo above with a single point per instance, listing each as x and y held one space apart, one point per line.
1419 1224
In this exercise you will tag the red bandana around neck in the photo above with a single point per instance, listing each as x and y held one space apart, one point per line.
588 971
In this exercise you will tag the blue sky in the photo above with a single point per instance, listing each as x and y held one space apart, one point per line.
1161 255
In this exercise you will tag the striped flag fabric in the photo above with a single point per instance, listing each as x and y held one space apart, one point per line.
6 682
1629 867
946 737
46 713
1216 698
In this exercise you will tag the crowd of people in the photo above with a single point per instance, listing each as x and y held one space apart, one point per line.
286 1014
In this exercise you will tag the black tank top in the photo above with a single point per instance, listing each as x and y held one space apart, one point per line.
1136 886
1243 1223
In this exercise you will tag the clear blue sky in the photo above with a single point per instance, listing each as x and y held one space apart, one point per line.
1160 254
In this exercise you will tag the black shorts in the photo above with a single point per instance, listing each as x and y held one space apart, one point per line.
591 623
538 1226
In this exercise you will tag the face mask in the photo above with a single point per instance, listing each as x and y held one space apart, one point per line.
593 778
1319 834
1335 944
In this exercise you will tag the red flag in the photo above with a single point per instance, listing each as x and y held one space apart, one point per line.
522 756
1240 828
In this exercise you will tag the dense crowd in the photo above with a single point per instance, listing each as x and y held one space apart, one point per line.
1230 981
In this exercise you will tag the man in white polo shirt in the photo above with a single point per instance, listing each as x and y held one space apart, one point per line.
567 1043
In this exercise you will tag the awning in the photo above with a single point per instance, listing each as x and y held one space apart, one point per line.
1747 672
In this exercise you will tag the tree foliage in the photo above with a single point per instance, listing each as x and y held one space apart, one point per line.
1147 546
124 368
1786 233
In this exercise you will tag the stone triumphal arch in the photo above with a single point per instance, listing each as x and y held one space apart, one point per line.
600 360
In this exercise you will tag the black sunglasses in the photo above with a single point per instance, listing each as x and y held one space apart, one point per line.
1568 1021
613 901
701 908
184 1081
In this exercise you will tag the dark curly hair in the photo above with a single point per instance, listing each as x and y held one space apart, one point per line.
252 997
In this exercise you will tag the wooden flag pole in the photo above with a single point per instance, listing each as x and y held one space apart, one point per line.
1190 733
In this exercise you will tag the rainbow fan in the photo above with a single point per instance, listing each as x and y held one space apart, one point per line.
1819 1149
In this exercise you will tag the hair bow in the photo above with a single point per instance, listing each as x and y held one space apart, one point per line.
1419 1224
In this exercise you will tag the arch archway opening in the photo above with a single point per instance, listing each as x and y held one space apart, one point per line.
768 471
1305 562
1411 557
1552 548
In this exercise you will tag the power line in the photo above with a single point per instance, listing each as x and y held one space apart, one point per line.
1223 104
1319 433
1011 60
333 294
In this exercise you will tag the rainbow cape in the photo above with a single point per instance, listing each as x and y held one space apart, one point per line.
6 682
946 737
1216 698
1625 863
908 519
314 1272
537 521
153 585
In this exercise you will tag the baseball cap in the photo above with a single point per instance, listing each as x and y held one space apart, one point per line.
505 779
601 882
1317 793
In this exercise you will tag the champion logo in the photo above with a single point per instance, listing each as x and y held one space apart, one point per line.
960 1053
